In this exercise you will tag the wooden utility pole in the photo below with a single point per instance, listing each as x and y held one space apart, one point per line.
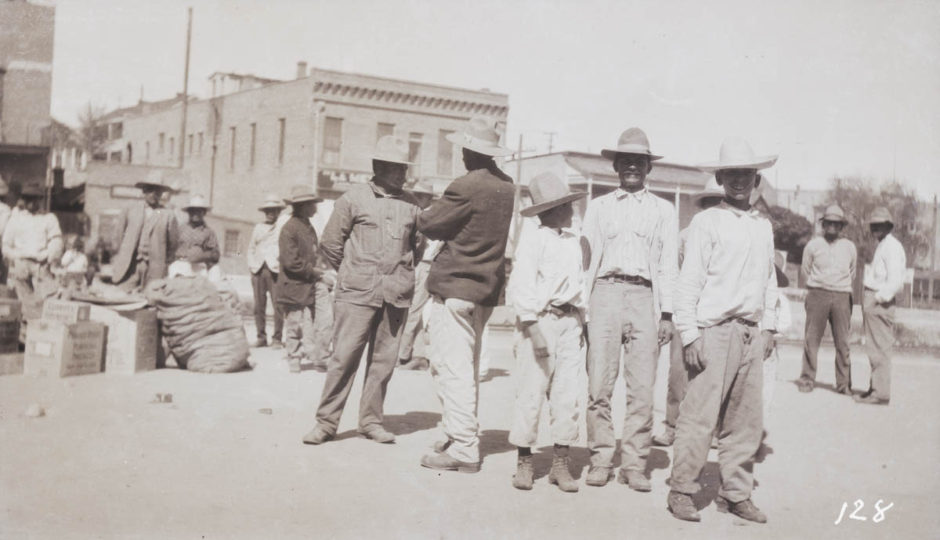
189 33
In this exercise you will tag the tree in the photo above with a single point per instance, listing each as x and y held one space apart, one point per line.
92 130
791 232
857 197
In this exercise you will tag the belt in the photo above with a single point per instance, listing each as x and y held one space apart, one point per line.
562 310
739 320
624 278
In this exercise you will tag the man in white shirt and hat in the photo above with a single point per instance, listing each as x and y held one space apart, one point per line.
829 263
725 301
264 267
371 239
149 237
632 234
32 244
884 279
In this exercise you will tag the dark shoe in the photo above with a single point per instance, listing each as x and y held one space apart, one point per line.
682 507
870 399
743 509
524 473
866 393
666 438
319 368
444 462
804 386
560 475
636 480
845 390
598 476
378 434
277 344
262 342
318 435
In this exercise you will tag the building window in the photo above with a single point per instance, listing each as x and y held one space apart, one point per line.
445 154
172 147
332 140
414 150
230 249
281 134
199 150
117 130
231 150
251 154
147 152
160 144
383 130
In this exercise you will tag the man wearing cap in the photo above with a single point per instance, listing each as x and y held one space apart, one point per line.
264 267
884 279
632 234
725 299
711 195
472 219
32 243
297 258
372 241
149 237
829 266
411 352
198 250
546 291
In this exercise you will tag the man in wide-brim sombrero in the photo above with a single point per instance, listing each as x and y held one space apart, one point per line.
264 267
725 300
632 235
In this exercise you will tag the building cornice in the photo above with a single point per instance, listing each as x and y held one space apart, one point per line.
388 98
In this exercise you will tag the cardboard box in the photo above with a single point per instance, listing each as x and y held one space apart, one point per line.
10 309
65 311
55 349
133 341
11 363
9 336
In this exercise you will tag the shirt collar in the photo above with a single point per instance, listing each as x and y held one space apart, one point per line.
565 231
752 212
622 193
381 192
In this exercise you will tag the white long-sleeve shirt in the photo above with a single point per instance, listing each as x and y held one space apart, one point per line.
548 269
885 275
634 234
262 248
727 271
32 236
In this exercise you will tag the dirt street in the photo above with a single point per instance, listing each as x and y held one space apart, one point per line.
224 460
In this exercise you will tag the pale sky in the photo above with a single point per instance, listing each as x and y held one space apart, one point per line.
833 86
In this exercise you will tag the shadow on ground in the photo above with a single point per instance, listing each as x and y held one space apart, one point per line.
411 422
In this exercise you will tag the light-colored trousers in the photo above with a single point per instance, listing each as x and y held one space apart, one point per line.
621 316
878 320
834 308
416 320
555 378
726 395
298 322
456 331
318 331
678 381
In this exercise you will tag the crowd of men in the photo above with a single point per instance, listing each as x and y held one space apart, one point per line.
390 262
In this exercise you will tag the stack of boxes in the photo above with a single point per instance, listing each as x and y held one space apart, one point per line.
63 342
133 339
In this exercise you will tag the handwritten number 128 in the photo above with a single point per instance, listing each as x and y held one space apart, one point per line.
859 504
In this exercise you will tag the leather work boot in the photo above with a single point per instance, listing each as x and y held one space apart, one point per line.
378 434
317 435
635 479
442 446
443 462
597 476
560 475
743 509
524 473
277 344
666 438
682 507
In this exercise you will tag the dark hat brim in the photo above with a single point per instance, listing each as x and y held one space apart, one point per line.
536 209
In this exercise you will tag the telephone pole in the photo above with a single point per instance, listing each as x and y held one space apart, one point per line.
189 33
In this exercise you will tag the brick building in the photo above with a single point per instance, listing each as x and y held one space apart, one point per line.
258 136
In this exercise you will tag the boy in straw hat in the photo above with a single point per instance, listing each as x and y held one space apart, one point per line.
297 259
546 290
632 235
264 267
472 219
725 302
149 236
198 250
884 279
372 241
829 264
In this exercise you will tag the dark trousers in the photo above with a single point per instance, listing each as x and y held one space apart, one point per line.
834 308
263 283
354 327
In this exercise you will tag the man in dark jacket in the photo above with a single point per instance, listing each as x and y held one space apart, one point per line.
297 255
372 241
472 218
